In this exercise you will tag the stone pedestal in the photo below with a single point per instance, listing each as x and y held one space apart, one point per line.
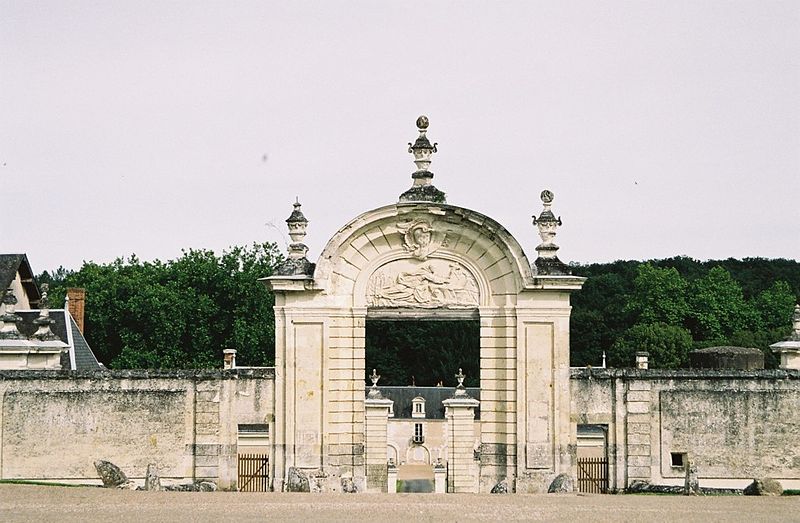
789 349
391 478
462 469
440 478
376 412
789 352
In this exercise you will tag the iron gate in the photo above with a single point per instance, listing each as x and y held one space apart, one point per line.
593 475
253 471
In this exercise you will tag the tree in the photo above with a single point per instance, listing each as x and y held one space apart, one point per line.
717 307
179 314
668 345
423 352
775 305
659 295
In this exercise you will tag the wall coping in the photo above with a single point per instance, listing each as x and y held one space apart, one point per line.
589 373
140 374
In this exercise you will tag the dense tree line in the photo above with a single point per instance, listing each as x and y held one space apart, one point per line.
669 307
177 314
183 313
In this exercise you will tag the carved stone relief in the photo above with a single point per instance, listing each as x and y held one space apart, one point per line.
421 237
432 284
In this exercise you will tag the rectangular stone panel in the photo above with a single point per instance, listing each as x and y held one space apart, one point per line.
733 433
59 434
538 339
308 400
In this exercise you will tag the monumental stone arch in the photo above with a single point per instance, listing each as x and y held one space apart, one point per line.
423 258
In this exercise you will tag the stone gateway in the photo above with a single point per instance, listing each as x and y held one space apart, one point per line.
422 258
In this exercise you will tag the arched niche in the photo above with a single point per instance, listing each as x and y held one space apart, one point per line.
418 233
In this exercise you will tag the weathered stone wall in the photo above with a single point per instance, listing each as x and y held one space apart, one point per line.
733 425
55 424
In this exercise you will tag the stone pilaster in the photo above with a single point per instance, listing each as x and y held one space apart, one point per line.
462 469
376 412
638 429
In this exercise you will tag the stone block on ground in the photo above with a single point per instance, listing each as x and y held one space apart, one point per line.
197 486
297 481
111 474
562 483
691 486
152 481
501 487
764 487
348 486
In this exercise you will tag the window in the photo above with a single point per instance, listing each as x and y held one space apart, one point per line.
418 407
419 437
678 458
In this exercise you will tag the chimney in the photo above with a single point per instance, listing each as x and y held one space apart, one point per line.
642 360
230 358
76 298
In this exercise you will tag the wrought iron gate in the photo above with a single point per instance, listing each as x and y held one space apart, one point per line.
253 471
593 475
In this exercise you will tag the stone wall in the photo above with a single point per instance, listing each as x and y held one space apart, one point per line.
55 424
733 425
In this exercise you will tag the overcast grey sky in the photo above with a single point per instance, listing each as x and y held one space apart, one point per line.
663 128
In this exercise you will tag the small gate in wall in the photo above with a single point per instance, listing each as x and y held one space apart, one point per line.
253 473
593 475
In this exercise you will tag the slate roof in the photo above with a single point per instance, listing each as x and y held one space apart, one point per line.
434 396
67 331
10 264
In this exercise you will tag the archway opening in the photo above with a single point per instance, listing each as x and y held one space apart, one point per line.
423 353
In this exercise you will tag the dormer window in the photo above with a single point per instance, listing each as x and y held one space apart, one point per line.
418 407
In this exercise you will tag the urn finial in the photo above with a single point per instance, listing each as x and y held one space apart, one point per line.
9 318
296 264
44 321
547 223
374 392
423 189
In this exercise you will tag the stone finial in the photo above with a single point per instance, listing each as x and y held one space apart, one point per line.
9 318
547 263
789 349
296 264
297 223
795 336
422 190
461 390
44 321
374 392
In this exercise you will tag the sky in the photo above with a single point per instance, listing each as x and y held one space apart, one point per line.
663 128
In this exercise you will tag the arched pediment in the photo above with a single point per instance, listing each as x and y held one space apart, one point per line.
423 256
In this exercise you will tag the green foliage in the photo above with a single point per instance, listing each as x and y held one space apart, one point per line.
178 314
184 312
599 316
659 295
717 307
775 305
729 302
423 352
668 346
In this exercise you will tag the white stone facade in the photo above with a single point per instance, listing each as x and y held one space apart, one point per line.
418 260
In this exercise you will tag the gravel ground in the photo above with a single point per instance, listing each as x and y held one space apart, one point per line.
68 504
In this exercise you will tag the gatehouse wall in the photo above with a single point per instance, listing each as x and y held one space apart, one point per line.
733 425
55 424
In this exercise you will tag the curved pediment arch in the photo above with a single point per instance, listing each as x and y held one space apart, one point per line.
425 256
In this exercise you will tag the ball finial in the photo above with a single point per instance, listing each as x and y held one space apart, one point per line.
422 122
546 196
